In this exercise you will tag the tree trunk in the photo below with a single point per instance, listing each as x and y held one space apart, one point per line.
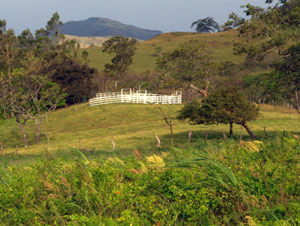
249 131
38 130
22 128
231 129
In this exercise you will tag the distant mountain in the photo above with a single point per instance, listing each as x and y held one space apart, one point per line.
102 27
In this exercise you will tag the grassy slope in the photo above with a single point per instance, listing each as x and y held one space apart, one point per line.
222 48
132 126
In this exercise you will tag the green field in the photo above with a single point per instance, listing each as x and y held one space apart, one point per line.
131 126
208 182
221 45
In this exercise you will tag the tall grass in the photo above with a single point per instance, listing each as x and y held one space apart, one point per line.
224 183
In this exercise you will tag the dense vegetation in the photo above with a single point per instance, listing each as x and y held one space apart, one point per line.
212 183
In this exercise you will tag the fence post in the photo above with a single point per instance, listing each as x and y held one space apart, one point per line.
122 98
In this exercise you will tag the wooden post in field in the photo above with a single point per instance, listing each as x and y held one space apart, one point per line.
158 140
1 149
224 135
79 143
206 136
75 107
241 136
190 136
48 141
16 149
266 134
113 144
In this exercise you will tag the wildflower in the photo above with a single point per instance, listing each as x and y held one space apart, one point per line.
117 192
235 167
158 224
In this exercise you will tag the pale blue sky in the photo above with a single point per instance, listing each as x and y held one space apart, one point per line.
164 15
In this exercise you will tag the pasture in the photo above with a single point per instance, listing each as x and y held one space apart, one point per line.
132 126
208 182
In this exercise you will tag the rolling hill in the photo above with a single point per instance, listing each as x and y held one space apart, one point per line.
102 27
131 126
148 51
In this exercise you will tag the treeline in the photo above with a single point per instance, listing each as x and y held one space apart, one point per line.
274 32
40 72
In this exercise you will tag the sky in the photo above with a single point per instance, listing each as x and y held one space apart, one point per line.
164 15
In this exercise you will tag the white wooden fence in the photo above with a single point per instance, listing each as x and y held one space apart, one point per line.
136 97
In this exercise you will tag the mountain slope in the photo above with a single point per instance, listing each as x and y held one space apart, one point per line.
96 26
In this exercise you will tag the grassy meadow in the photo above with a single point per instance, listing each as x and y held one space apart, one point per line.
148 51
131 127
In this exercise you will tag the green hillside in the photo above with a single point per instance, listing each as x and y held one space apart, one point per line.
131 126
147 51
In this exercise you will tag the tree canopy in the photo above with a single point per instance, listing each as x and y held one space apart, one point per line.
190 67
124 50
30 68
206 25
223 106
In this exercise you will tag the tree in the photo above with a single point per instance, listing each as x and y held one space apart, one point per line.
167 117
268 30
53 27
74 78
223 106
124 50
190 67
45 95
233 22
28 96
286 77
206 25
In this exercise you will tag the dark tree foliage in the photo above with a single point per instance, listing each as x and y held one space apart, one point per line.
223 106
2 26
75 79
206 25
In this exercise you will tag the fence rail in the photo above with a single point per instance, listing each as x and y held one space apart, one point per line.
136 97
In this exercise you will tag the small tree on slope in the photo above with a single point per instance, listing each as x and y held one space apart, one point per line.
223 106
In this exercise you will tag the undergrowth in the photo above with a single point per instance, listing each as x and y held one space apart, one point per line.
220 183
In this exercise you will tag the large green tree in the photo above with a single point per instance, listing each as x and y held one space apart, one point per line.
124 50
223 106
190 67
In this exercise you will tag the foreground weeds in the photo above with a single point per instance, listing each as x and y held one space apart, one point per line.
221 183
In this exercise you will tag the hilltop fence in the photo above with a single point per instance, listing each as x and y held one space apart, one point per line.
135 97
